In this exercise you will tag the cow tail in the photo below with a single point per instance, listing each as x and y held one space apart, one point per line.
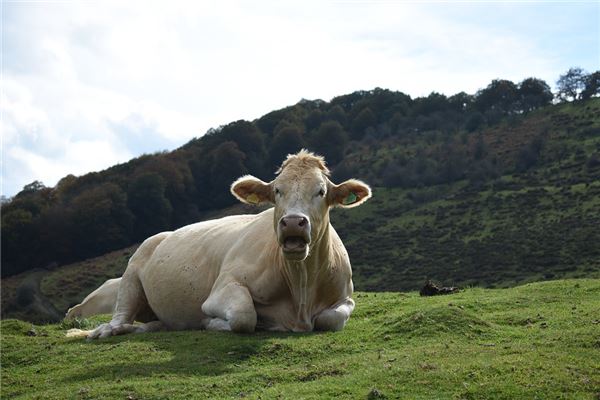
77 333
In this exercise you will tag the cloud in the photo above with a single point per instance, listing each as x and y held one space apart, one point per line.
88 84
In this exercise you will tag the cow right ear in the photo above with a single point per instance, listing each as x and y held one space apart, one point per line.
251 190
349 194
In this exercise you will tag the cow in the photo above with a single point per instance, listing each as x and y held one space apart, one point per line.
100 301
284 269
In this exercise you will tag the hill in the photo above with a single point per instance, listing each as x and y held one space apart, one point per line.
533 341
385 137
495 226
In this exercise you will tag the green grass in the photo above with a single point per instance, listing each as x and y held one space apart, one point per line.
539 340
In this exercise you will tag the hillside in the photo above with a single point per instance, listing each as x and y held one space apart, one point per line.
533 341
495 231
505 228
385 137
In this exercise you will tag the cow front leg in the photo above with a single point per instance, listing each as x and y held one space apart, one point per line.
230 308
334 318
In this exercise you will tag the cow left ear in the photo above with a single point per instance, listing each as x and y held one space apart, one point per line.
251 190
349 194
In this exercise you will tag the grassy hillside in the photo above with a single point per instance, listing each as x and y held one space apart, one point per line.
528 209
499 226
533 341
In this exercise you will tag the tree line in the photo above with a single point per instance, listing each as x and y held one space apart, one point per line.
86 216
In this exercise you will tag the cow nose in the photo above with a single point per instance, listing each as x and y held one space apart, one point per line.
294 225
293 221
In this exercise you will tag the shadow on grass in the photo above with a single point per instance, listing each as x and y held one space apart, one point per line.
198 353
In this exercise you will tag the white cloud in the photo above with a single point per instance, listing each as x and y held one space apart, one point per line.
120 77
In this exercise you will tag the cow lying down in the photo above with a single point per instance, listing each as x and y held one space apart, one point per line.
284 269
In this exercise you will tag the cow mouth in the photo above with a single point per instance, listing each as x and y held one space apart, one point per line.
294 244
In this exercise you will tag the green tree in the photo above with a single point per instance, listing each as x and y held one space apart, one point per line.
31 188
435 102
101 220
337 113
287 140
460 102
313 119
179 187
18 236
592 86
246 135
331 140
499 96
151 209
534 93
227 164
570 84
364 120
475 120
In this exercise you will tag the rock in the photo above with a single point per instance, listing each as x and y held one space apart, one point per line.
431 289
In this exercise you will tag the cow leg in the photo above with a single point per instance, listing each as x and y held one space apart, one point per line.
334 318
153 326
230 308
130 300
100 301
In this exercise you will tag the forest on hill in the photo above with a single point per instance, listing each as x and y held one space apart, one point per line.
452 159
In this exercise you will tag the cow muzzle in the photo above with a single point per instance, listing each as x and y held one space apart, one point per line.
294 236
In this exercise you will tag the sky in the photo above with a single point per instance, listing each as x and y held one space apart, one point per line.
88 84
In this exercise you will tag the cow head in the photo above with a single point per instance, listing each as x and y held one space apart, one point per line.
303 195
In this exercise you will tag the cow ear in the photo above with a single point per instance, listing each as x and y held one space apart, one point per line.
349 194
251 190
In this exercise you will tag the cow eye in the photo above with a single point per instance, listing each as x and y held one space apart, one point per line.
321 193
277 191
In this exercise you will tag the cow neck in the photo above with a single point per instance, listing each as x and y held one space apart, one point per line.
300 276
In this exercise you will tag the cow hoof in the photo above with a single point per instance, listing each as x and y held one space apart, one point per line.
218 324
101 332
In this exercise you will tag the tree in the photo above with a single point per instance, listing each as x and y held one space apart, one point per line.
474 121
338 114
30 188
435 102
179 188
592 86
331 140
102 221
534 93
287 140
226 165
460 102
246 135
499 96
365 119
146 200
17 236
570 84
529 155
250 141
313 120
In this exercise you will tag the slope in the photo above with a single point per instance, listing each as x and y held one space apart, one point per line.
533 341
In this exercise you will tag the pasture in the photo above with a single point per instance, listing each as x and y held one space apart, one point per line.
540 340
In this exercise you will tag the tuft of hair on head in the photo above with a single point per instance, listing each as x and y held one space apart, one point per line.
304 159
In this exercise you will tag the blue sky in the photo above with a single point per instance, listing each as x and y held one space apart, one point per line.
87 84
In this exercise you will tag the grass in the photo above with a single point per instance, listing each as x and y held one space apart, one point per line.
539 340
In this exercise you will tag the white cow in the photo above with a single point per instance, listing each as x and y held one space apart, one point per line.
284 269
100 301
